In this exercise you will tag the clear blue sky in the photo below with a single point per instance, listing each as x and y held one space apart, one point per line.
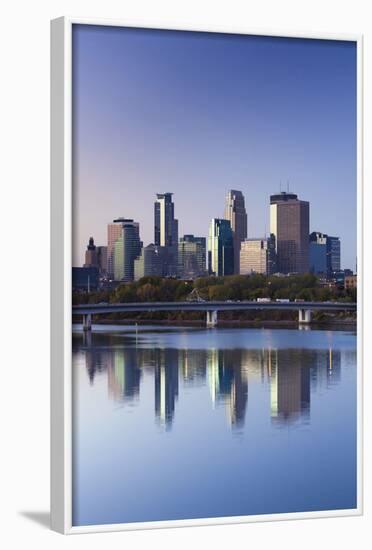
198 114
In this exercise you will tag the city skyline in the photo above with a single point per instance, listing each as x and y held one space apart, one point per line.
289 247
166 122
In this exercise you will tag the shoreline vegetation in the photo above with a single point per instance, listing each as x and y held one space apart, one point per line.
305 287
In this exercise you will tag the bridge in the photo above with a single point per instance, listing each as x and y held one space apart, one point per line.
304 309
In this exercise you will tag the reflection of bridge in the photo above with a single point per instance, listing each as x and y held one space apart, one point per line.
211 308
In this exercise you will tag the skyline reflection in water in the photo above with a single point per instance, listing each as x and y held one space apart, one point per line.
258 389
288 373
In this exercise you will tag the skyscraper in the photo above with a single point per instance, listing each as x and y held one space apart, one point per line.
192 257
325 254
126 249
333 255
236 214
113 234
289 222
166 228
220 248
257 256
102 259
318 253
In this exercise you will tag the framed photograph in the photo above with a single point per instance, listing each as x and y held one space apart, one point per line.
206 276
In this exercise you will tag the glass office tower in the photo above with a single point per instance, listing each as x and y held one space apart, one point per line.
126 249
220 248
191 257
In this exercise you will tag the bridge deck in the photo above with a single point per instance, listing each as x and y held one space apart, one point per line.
96 309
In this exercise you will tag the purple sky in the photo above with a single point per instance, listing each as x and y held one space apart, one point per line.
198 114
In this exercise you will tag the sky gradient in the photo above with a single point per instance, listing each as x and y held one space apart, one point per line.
198 114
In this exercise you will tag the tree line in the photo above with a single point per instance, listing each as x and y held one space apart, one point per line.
234 287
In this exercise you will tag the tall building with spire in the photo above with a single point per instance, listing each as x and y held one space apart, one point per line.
166 229
91 254
289 223
236 214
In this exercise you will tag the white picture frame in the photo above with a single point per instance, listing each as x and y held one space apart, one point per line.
61 252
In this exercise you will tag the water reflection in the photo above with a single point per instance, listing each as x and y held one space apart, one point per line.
289 375
166 385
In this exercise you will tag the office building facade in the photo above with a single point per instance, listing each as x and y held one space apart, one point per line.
151 261
318 253
324 254
102 259
236 214
220 248
333 255
126 249
289 223
191 257
113 234
258 256
166 229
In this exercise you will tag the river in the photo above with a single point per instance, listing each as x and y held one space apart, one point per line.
183 423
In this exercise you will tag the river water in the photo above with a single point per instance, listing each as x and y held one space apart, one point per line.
184 423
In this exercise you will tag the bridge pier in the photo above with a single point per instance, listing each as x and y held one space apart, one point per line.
87 321
212 318
304 316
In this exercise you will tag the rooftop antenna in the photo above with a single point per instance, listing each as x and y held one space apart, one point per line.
280 186
287 186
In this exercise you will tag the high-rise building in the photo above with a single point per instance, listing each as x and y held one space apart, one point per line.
113 234
236 214
289 222
102 259
257 256
151 261
191 257
91 254
318 253
333 255
126 249
324 254
166 229
220 248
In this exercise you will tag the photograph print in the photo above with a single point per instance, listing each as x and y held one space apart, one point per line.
214 276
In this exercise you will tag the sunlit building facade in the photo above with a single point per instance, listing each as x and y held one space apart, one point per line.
126 249
113 234
258 256
236 214
166 230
